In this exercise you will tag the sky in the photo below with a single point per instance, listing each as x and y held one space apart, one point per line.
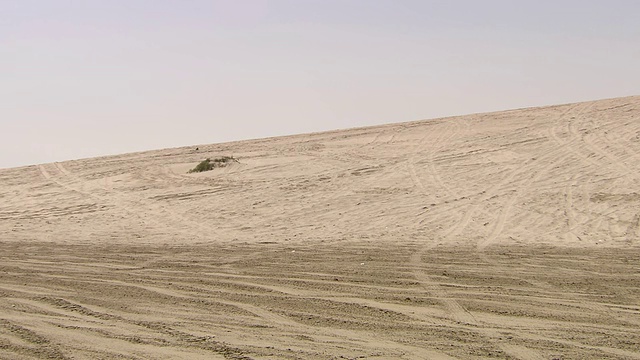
86 78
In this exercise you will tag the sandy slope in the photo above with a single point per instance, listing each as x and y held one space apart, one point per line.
504 235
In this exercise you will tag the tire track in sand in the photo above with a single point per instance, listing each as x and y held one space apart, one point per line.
33 343
551 157
579 140
459 312
525 187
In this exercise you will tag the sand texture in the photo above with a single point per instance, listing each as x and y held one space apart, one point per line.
509 235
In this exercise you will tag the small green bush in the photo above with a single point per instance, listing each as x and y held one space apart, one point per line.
205 165
209 164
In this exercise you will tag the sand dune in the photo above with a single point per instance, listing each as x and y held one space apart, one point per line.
505 235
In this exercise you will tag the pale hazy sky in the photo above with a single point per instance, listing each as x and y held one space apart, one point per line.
86 78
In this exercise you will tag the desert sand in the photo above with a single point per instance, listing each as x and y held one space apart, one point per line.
513 235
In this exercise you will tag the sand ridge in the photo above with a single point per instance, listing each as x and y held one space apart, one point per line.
502 235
